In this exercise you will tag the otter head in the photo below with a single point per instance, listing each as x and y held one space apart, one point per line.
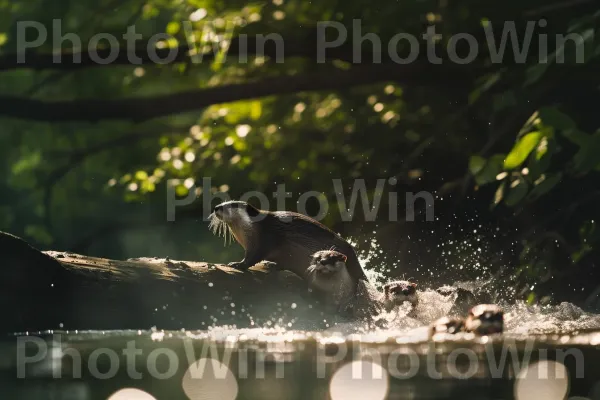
485 319
397 292
327 263
234 218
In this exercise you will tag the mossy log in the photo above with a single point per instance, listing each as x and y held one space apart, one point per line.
58 290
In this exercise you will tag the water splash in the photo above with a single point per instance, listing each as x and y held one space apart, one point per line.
464 256
375 275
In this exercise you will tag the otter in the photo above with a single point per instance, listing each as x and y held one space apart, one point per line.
329 279
397 292
285 238
483 319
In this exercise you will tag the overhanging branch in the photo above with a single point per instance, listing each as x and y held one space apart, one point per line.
147 54
144 108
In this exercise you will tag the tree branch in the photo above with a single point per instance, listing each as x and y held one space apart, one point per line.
140 55
145 108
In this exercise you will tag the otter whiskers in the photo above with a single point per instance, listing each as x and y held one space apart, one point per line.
220 228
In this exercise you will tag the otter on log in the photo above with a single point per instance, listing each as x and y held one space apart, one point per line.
286 238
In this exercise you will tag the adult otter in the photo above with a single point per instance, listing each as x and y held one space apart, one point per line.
286 238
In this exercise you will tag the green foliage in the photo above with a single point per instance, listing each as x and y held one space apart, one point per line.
588 156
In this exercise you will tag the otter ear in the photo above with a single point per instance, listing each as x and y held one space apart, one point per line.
344 258
413 284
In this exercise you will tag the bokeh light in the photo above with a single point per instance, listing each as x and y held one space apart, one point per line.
209 379
545 380
359 380
131 394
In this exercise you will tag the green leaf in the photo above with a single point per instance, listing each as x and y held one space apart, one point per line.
518 190
522 149
504 100
577 137
476 164
492 168
543 186
588 156
554 117
488 82
474 95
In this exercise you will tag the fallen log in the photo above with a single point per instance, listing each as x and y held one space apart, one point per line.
57 290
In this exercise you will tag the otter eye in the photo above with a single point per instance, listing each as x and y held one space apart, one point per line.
219 207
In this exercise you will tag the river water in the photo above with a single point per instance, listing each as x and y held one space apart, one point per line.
546 352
